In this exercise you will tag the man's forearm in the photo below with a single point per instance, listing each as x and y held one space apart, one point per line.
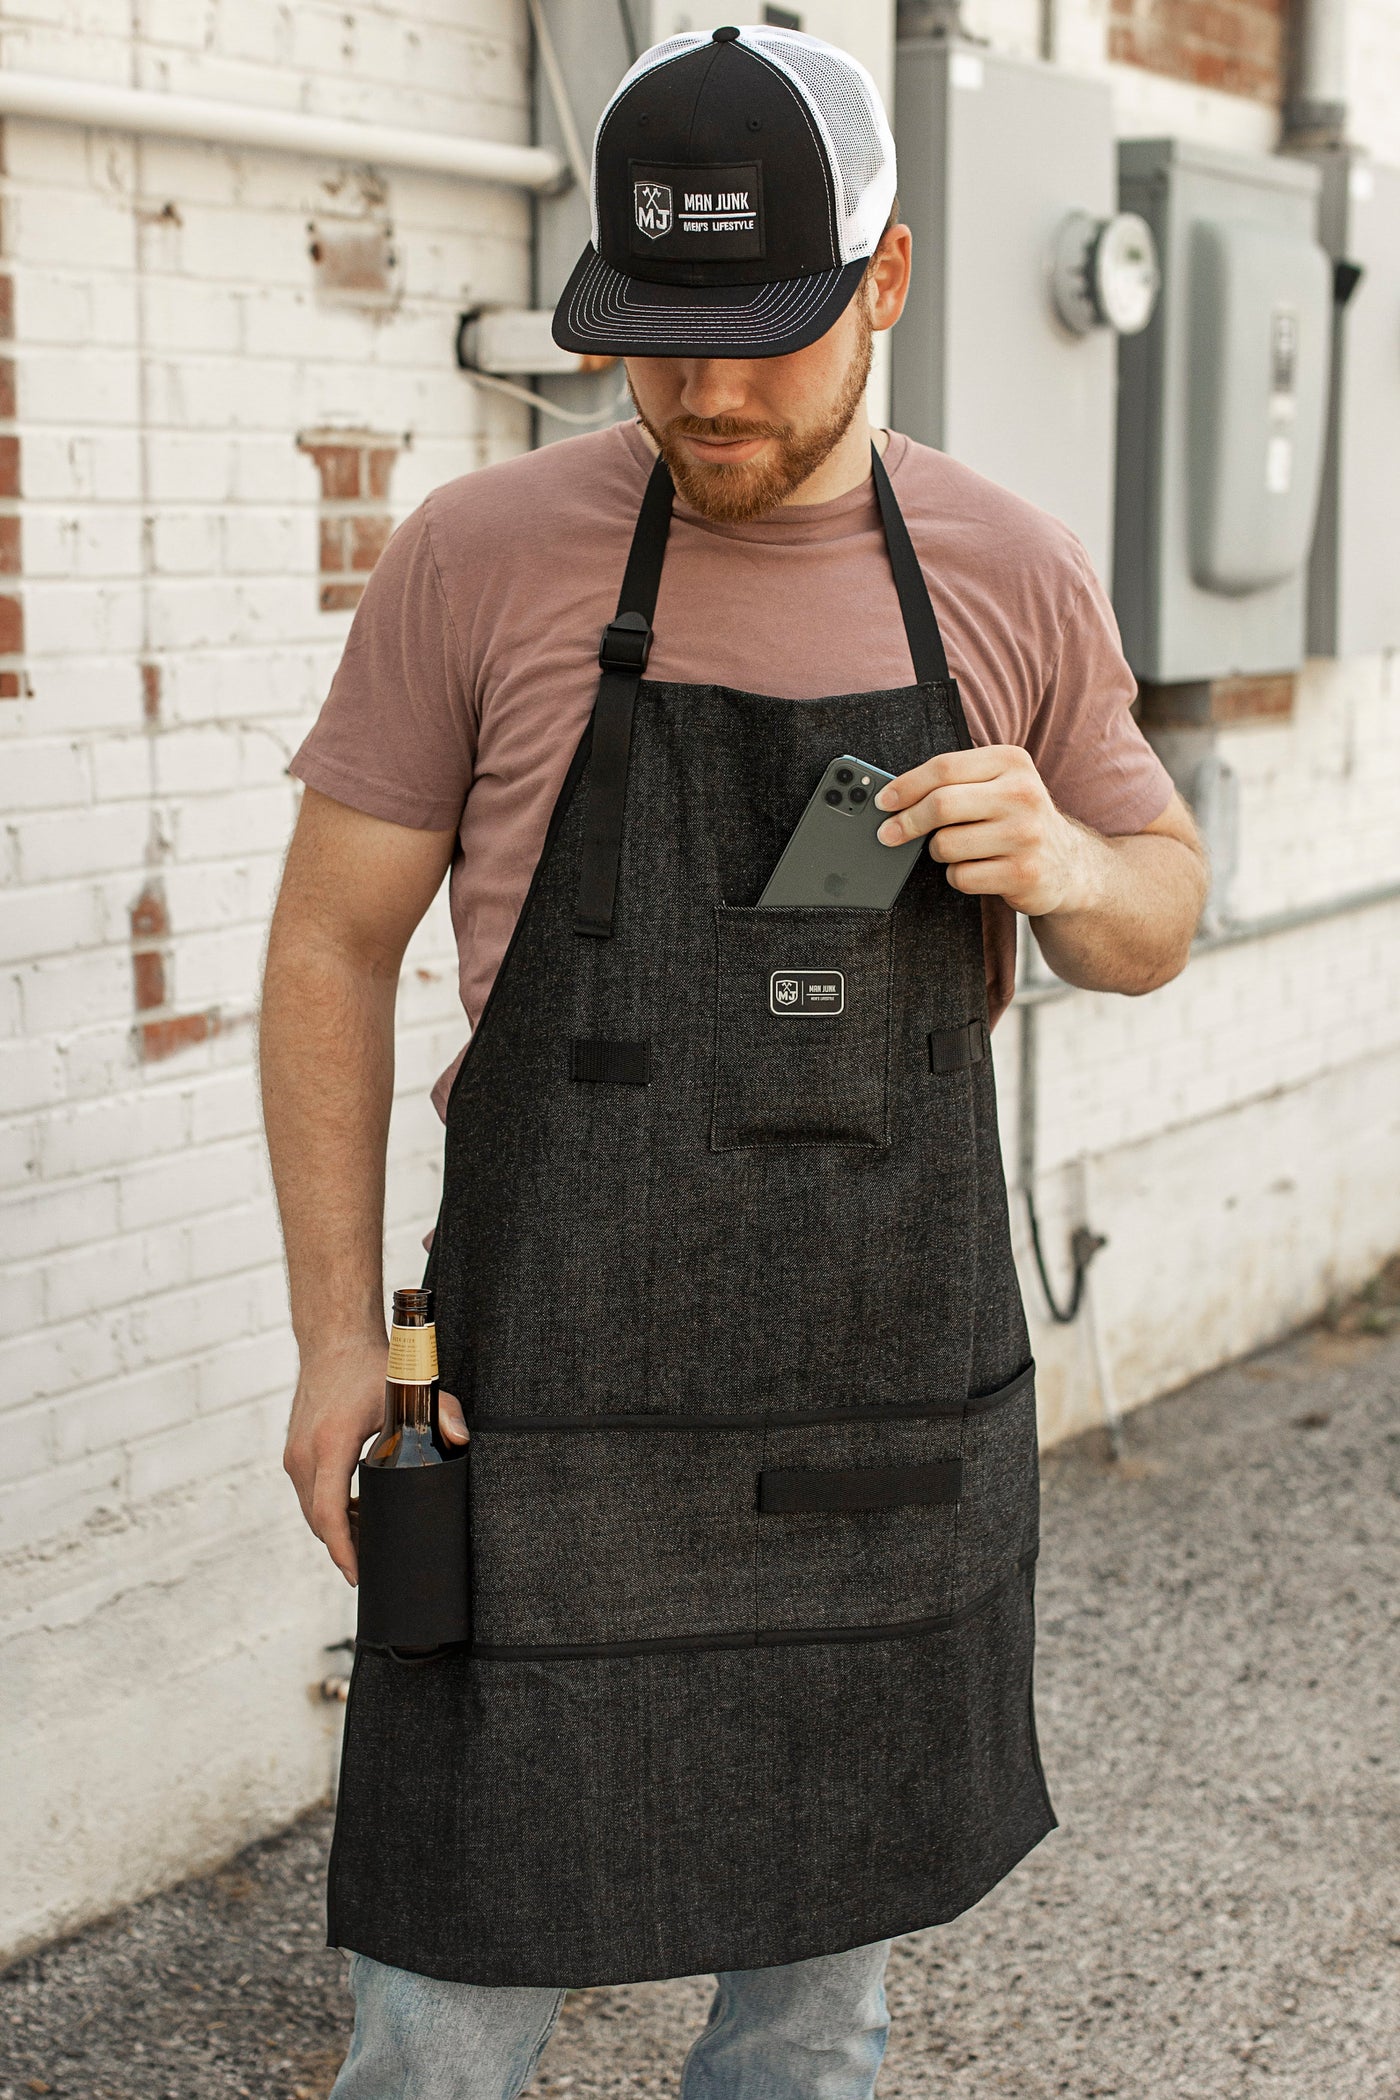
1133 908
327 1068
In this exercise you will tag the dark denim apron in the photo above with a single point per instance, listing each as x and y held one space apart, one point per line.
728 1296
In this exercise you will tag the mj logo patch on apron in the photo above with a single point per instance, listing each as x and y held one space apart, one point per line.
806 992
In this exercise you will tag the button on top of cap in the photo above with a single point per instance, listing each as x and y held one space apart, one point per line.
725 36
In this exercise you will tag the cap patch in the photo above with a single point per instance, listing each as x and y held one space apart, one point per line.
705 213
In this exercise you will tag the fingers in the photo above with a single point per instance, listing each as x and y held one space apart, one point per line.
983 762
451 1420
990 878
975 802
995 780
329 1517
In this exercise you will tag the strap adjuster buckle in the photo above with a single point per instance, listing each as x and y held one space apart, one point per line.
626 643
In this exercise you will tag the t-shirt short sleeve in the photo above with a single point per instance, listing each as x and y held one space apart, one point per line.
396 734
1087 746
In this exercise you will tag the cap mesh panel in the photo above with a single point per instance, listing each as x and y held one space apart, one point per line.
846 105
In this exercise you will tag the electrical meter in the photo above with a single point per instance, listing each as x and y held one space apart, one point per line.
1104 273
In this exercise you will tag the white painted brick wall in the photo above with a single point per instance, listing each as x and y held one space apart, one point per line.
169 347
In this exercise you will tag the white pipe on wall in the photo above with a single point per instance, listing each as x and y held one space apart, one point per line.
1317 102
85 102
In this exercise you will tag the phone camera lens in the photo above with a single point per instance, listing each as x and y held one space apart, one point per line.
833 796
857 794
845 775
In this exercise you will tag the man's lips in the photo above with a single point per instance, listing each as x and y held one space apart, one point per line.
725 451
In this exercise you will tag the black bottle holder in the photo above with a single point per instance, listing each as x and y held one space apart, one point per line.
415 1584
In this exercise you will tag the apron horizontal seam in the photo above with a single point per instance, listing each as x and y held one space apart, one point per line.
764 1637
884 1411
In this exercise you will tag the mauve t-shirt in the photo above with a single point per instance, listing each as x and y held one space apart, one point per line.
472 662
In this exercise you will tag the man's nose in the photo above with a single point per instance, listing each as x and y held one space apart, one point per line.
714 386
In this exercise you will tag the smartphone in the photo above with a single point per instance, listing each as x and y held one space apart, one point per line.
833 856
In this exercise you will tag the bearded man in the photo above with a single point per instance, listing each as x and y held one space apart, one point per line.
733 1354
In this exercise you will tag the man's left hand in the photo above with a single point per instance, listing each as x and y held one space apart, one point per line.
994 824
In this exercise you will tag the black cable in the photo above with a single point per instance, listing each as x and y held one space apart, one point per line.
1083 1246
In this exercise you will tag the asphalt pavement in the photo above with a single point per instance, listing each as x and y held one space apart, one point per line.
1217 1917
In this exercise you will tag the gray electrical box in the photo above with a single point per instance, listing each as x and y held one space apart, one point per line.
995 154
1354 574
1221 414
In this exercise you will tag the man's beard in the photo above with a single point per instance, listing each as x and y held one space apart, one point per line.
730 495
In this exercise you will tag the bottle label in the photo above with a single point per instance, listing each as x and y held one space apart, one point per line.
413 1355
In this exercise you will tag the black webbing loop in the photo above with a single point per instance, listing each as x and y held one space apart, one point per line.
920 620
785 1490
601 1062
954 1049
623 653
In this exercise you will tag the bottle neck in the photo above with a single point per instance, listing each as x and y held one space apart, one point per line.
408 1407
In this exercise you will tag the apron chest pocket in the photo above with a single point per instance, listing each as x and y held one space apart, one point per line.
413 1587
802 1026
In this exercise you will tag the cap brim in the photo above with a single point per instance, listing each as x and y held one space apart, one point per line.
606 313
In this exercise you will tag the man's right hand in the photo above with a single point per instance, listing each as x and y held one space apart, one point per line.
337 1408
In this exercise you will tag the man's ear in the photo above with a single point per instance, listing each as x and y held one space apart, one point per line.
887 279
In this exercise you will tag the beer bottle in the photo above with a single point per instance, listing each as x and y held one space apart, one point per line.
411 1436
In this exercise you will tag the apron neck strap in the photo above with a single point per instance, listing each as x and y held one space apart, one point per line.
920 620
626 646
642 579
622 653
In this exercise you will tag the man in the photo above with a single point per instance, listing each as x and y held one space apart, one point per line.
725 1284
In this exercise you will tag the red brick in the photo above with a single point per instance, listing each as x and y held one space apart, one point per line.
9 466
333 561
379 460
11 627
9 545
149 918
369 534
1235 46
339 468
10 688
150 691
7 389
341 597
7 306
175 1032
148 974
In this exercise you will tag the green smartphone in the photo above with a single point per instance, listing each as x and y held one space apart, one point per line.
833 856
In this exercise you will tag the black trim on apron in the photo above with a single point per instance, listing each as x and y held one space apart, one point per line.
729 1300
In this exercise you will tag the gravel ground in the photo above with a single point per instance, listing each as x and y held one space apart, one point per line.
1216 1918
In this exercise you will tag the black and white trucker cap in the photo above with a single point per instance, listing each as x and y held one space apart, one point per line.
742 179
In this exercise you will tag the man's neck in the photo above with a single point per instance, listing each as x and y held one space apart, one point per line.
846 466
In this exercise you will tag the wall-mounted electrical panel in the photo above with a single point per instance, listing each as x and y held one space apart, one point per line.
1354 574
1023 271
1221 413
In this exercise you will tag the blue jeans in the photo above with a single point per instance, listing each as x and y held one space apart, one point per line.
808 2030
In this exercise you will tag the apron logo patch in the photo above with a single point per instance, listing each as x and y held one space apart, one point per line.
807 992
651 203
